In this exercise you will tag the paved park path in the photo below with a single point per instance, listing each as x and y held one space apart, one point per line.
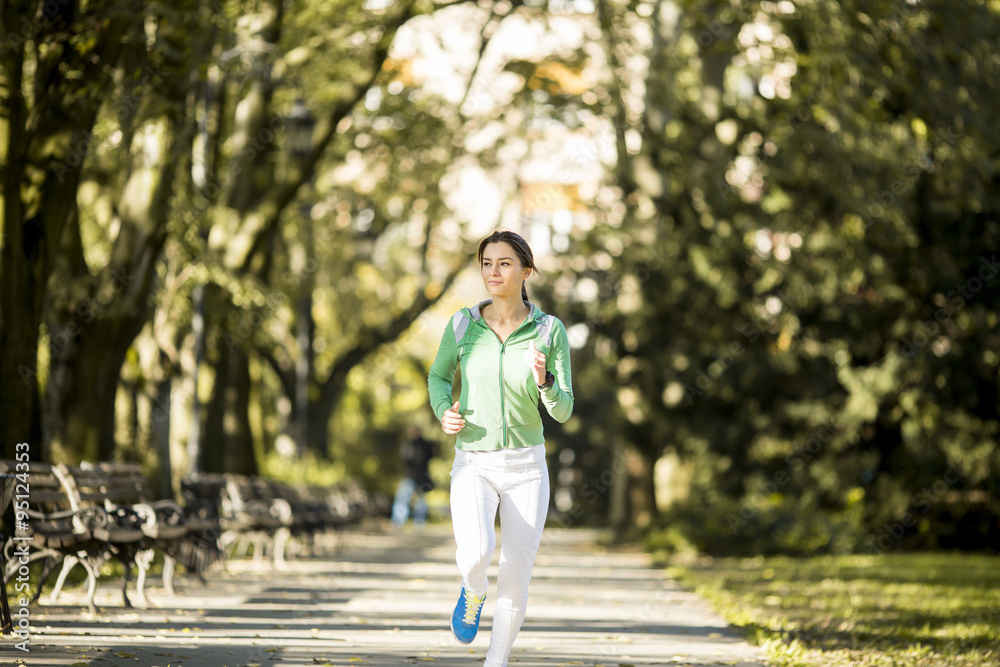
385 599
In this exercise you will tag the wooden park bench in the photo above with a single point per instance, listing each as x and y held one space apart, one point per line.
266 515
308 513
124 533
166 526
317 512
60 528
244 519
84 515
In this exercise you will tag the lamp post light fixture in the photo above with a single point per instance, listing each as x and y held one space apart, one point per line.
299 125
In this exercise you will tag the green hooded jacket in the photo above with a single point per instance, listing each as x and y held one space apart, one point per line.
499 397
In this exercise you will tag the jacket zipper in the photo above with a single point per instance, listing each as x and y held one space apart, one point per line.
503 348
503 411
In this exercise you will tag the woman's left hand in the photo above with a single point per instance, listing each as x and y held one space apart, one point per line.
536 362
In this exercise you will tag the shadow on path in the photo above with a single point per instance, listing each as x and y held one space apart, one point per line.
385 599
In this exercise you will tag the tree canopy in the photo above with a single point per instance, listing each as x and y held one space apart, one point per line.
230 235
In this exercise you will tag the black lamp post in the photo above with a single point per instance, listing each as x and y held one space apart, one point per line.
299 125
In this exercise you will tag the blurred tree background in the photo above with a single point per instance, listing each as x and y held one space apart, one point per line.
232 233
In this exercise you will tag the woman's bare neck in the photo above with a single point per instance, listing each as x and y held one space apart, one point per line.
506 310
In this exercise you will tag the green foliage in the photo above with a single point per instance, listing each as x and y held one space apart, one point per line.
790 284
893 610
804 277
187 181
307 469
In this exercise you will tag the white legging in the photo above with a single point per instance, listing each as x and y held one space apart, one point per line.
516 481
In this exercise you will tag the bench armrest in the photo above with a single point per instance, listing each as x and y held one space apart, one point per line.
85 518
166 512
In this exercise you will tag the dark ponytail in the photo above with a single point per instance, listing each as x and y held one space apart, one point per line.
521 249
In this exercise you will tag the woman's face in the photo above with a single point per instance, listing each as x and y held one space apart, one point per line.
502 270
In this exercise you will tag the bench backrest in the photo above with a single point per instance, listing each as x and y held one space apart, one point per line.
122 483
46 492
49 492
86 486
205 487
239 492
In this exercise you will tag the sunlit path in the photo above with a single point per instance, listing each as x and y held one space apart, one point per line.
385 599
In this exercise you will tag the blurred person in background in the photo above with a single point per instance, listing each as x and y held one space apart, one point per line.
416 454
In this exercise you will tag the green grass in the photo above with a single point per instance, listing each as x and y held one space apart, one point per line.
898 610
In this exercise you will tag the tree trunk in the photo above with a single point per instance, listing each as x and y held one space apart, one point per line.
618 511
318 431
20 298
305 372
642 489
42 158
20 420
159 436
80 393
90 339
211 448
633 491
228 440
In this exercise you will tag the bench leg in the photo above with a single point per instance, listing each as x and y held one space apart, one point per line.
168 574
47 568
309 545
91 585
258 542
228 538
143 559
200 551
202 564
280 542
69 562
298 546
126 560
240 543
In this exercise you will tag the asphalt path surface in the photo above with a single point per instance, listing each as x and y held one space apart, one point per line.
385 598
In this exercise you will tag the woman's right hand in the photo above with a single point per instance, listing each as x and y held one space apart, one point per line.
451 421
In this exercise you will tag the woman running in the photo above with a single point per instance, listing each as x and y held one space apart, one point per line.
510 353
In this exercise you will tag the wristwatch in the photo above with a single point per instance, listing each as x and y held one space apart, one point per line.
550 380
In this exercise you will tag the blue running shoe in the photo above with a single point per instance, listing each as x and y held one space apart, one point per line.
465 618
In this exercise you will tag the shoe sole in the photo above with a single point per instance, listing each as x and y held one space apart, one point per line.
459 640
